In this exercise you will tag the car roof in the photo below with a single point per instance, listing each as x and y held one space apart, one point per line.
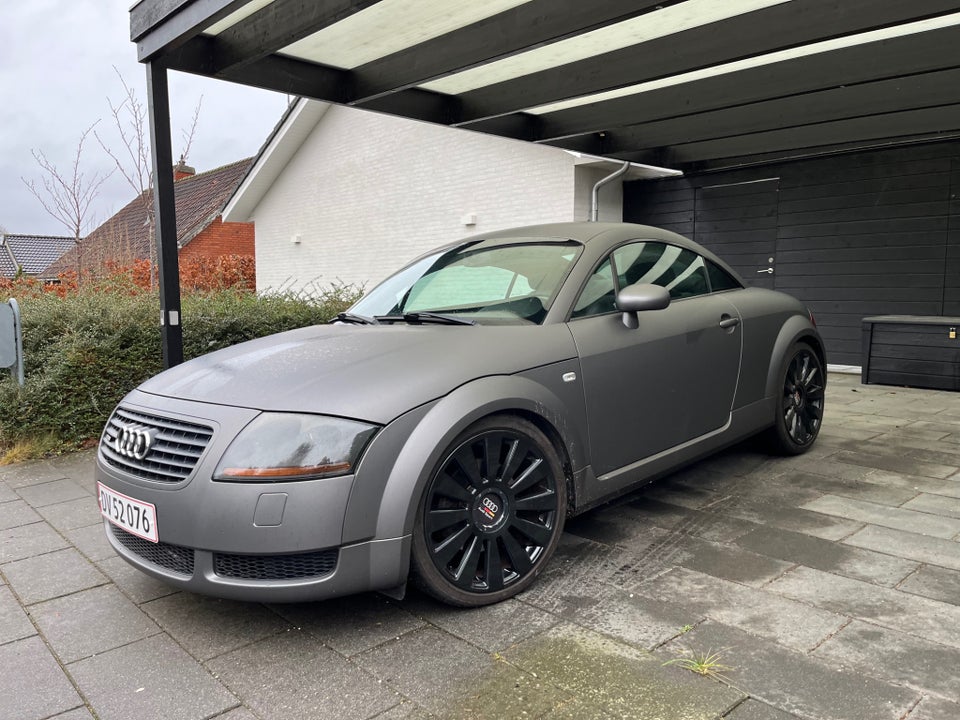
591 232
607 234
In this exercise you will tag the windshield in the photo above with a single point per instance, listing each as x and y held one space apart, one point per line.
493 281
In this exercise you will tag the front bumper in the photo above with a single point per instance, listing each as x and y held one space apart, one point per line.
371 565
278 542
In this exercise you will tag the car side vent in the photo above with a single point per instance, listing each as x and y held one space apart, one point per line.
174 558
153 447
276 567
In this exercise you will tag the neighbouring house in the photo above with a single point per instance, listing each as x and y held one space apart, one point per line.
30 255
201 231
346 195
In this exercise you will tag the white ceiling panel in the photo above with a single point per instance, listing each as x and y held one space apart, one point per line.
235 17
758 61
390 26
658 23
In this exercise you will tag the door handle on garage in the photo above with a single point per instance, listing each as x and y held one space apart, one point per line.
727 322
768 270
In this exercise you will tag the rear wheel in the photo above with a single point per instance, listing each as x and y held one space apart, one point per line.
799 410
491 515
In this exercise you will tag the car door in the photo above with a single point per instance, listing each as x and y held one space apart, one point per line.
668 381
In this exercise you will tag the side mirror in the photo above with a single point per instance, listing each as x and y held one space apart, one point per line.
640 298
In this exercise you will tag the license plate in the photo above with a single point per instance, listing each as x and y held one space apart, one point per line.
138 518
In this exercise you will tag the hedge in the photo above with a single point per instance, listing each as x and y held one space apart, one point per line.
84 349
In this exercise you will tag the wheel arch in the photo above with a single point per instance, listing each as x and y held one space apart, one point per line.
796 329
452 415
559 446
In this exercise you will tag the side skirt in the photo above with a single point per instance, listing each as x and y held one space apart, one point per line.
743 423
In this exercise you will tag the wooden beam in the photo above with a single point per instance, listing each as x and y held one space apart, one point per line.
519 29
778 27
163 25
805 140
319 82
418 105
883 97
275 72
856 146
277 25
907 55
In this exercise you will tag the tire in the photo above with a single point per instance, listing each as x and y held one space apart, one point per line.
799 410
491 515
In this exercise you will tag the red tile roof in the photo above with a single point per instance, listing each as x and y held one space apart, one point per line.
126 236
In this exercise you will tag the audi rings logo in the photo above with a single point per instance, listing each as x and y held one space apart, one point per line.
134 441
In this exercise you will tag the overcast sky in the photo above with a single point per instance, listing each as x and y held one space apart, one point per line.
57 61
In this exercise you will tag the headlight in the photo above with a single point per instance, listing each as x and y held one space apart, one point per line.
288 446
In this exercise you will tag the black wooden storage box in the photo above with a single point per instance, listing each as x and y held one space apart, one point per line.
912 350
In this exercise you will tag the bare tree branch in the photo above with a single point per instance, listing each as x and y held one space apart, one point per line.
188 135
130 118
67 197
133 159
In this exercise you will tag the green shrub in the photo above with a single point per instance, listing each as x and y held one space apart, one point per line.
84 351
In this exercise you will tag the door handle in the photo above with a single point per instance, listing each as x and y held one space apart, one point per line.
727 322
768 270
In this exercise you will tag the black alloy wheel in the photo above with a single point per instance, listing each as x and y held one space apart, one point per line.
800 412
491 515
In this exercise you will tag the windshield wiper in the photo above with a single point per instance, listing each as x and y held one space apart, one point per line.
418 318
354 319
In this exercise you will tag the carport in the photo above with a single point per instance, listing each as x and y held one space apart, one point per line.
703 86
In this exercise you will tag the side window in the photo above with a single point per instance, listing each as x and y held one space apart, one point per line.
680 271
598 296
720 279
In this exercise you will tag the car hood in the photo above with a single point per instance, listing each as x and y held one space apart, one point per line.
372 373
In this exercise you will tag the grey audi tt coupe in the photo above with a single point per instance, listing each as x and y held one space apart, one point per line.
447 424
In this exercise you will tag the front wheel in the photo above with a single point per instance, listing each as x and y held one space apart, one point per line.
491 515
799 410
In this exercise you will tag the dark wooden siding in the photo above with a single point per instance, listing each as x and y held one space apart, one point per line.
872 233
951 289
666 205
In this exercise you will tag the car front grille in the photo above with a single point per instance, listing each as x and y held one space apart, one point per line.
173 453
175 558
276 567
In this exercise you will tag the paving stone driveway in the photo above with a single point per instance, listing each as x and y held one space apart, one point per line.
829 585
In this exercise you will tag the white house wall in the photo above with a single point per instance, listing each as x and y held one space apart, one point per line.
366 192
609 198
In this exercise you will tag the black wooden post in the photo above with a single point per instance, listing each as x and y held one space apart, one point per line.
165 215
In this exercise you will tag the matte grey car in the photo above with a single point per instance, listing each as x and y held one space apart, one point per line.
448 423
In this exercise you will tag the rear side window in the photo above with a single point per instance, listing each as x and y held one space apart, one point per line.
720 279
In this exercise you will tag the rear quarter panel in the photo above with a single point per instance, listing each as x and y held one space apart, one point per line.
772 323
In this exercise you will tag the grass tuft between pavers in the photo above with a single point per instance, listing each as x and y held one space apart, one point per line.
624 681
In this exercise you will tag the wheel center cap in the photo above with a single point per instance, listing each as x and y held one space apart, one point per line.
490 510
797 398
